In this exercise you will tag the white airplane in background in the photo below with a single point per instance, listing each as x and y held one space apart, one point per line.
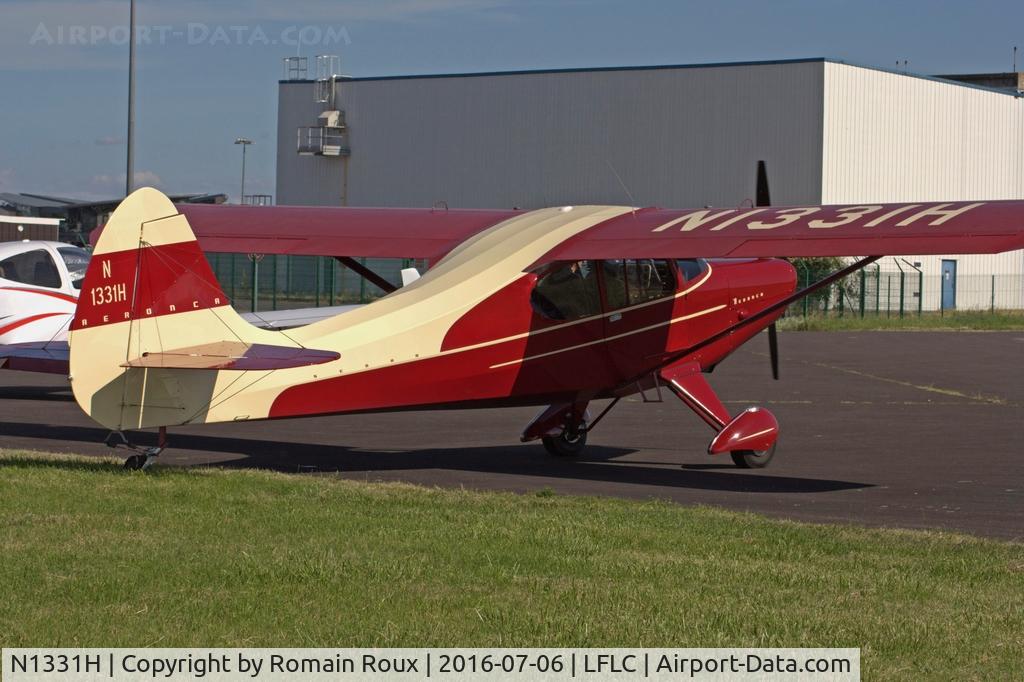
39 284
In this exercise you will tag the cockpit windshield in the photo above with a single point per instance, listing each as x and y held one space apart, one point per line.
568 292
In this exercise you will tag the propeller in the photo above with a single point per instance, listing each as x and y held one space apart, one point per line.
764 199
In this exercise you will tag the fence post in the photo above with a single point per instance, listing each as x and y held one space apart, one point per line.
863 279
878 291
920 292
993 293
334 276
903 277
255 281
888 295
316 282
273 294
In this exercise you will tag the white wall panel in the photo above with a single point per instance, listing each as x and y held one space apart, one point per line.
893 137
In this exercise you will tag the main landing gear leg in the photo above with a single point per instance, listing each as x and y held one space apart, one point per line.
143 457
562 428
749 437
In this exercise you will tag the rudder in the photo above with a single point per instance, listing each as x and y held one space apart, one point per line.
148 289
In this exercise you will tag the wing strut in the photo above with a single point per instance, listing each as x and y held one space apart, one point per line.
366 273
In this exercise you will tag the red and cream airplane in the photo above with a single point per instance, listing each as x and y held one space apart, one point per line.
555 307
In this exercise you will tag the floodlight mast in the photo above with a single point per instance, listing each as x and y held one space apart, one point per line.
245 142
130 171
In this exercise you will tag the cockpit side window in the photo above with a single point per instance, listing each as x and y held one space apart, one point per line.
32 267
692 268
629 282
568 292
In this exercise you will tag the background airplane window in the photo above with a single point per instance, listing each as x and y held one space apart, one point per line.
692 268
32 267
568 292
77 261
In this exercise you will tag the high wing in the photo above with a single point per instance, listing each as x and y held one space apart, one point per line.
839 230
336 231
863 229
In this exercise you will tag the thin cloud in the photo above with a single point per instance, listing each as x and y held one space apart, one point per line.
110 141
143 178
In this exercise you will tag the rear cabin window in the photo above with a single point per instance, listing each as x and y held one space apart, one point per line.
31 267
692 268
629 282
568 292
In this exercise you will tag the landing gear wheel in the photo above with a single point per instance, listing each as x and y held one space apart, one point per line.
135 462
566 444
753 459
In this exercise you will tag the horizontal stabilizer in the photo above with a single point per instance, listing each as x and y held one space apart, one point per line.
234 355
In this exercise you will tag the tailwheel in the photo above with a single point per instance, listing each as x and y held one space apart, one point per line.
143 457
569 443
135 462
753 459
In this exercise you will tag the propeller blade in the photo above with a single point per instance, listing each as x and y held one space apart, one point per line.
764 197
773 349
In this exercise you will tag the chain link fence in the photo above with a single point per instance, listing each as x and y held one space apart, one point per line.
288 282
875 291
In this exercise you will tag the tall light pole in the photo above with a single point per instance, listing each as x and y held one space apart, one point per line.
130 173
245 143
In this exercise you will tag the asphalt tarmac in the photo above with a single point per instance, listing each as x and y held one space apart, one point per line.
902 429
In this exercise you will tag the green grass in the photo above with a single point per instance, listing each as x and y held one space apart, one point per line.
1006 320
91 555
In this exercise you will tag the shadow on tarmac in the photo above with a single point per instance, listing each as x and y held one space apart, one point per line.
44 393
599 465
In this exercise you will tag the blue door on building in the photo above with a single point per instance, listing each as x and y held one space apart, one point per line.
949 285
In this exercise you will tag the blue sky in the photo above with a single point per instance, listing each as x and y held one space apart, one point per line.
208 71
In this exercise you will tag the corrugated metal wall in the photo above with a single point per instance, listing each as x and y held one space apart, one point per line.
677 137
890 137
302 180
